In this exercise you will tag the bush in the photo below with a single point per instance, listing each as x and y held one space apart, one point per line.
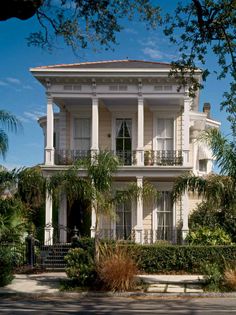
6 266
230 278
116 268
80 266
206 215
179 258
213 276
208 236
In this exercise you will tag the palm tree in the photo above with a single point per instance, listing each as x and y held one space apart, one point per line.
8 122
219 190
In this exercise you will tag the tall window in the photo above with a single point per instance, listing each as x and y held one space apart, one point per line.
164 216
123 220
124 140
165 133
82 131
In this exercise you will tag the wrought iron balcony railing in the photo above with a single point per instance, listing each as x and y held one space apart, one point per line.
128 157
69 157
163 158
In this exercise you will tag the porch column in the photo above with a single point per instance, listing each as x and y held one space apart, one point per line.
140 132
93 222
62 219
49 150
185 212
139 227
95 125
186 126
48 229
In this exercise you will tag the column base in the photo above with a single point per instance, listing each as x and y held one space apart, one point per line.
138 235
49 156
92 232
184 235
48 235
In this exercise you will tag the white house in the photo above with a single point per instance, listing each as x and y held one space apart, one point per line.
132 108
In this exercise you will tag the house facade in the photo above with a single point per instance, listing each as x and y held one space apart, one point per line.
135 110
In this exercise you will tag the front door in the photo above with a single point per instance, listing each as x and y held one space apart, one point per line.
165 216
79 216
124 140
123 220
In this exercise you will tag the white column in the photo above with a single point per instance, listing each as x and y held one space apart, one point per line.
95 125
140 132
139 227
49 150
185 213
62 218
48 229
186 126
93 222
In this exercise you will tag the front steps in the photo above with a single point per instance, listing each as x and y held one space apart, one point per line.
51 257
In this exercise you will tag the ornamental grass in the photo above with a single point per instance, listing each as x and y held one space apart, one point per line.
116 268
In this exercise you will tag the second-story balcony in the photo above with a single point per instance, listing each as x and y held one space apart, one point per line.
126 158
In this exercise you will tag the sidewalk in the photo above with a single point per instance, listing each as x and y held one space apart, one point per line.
49 283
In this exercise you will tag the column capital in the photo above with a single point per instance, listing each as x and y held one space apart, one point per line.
139 178
49 98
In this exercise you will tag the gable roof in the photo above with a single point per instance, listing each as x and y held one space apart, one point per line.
133 64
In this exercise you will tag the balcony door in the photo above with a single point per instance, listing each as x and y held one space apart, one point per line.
165 134
124 140
82 136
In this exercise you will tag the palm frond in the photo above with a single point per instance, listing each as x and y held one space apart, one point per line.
223 150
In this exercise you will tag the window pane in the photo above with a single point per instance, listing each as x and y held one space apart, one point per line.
119 144
160 144
160 128
127 144
169 128
169 144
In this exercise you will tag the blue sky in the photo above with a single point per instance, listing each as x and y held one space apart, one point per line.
23 96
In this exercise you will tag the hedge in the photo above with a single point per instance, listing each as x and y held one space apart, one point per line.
173 258
184 258
6 266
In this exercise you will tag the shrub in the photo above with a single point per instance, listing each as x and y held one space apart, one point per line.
80 266
213 276
206 215
230 278
208 236
6 266
179 258
116 268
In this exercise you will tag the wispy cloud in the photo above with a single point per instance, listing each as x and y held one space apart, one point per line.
2 83
13 80
27 87
130 31
157 54
33 115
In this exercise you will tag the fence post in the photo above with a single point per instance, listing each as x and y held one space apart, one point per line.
30 255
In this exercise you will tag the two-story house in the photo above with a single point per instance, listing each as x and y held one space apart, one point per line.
133 109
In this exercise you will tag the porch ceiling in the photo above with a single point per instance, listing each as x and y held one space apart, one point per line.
72 104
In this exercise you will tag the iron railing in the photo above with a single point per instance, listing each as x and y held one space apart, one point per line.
167 235
126 157
69 157
163 157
